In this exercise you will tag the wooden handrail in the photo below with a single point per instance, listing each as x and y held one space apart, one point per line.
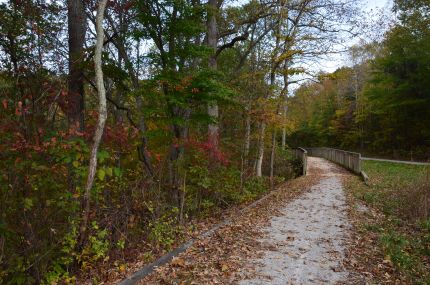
348 159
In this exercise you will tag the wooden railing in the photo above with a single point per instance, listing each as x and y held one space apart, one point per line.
349 160
302 154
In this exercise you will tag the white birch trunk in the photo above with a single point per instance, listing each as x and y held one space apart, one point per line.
101 119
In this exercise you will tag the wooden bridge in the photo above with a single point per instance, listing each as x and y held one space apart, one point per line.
349 160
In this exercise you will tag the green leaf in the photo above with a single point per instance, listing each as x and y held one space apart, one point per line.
117 171
75 164
101 174
102 155
28 203
95 225
109 171
121 243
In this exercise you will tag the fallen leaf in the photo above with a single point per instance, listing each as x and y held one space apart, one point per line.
177 261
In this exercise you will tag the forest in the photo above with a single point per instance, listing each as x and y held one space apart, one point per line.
126 125
379 104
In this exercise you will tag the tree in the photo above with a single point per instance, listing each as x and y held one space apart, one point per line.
100 122
212 39
398 92
379 104
77 26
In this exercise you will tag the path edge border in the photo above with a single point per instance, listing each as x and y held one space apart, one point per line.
166 258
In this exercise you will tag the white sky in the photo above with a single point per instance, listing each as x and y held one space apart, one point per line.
372 4
371 8
376 15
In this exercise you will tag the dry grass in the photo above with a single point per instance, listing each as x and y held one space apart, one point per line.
400 231
415 199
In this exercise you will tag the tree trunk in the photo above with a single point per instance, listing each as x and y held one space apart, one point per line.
177 151
119 118
284 121
284 136
100 122
213 127
76 29
284 94
182 200
134 76
246 146
247 136
263 124
272 158
142 149
273 151
260 155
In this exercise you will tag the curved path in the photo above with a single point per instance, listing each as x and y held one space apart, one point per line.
297 234
305 244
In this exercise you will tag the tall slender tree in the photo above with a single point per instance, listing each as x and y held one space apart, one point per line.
212 40
77 25
102 116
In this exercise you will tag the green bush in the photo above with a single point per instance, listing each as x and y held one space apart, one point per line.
164 231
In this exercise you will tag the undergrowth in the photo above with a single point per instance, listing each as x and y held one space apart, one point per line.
401 192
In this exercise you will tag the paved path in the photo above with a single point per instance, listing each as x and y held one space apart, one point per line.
306 243
396 161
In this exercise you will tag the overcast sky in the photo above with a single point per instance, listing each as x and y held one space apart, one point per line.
372 9
372 4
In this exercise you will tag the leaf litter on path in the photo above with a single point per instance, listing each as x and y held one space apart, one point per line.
313 250
237 250
222 257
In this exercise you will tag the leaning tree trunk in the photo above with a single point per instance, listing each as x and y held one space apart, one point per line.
213 127
76 31
100 122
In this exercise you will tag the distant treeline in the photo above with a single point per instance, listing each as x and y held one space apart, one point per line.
380 105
